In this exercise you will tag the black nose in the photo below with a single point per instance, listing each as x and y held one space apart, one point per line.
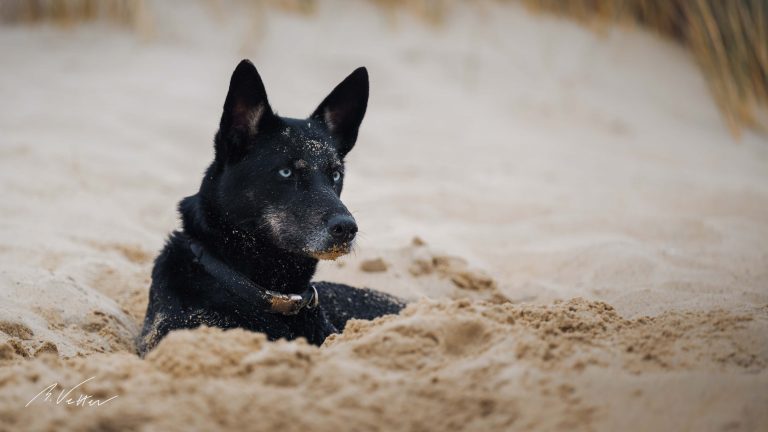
342 228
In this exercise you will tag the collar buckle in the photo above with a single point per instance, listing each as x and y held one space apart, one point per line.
291 304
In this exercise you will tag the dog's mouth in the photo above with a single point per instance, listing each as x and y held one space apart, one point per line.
332 253
291 235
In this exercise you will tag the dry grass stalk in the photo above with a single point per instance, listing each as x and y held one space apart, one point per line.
71 12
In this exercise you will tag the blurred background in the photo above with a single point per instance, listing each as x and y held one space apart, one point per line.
527 151
614 150
727 39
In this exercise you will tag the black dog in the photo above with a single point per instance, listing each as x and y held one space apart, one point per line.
268 208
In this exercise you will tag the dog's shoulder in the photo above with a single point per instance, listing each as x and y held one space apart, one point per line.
182 295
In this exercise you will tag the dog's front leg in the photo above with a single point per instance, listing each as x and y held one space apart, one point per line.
316 326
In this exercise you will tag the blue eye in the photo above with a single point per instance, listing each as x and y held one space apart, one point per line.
285 172
336 176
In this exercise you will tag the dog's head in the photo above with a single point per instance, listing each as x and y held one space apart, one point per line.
280 178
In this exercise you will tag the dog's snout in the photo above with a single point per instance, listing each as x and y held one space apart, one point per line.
342 228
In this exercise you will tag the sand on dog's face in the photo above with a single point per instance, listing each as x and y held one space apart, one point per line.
439 366
332 254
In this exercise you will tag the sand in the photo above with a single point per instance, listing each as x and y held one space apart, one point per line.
441 365
582 240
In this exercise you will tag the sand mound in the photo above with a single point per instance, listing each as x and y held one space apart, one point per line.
443 365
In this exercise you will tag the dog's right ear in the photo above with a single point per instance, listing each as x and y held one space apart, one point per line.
246 113
343 110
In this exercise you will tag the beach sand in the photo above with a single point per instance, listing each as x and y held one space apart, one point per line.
582 240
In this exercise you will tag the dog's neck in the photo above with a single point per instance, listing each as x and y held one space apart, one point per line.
250 254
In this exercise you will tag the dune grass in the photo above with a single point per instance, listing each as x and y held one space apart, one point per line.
728 38
71 12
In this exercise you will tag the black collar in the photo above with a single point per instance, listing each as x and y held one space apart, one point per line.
248 291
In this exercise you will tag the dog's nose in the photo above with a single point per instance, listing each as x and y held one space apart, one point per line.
342 228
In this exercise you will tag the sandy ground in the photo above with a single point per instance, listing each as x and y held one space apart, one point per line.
591 250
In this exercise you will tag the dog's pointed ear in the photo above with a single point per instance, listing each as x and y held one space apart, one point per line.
343 110
246 112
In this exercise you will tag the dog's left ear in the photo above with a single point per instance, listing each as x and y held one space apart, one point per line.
246 115
343 110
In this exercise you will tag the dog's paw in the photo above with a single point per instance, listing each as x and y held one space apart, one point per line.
318 327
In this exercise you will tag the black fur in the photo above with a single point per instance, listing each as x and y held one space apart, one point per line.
268 207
